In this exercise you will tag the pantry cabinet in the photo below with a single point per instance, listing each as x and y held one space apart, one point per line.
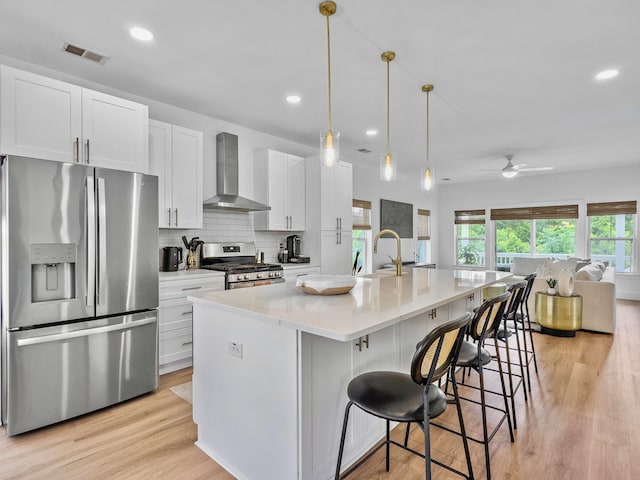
176 156
279 181
45 118
175 314
330 223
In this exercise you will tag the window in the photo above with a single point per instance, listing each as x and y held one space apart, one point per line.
533 232
423 245
611 237
470 237
361 240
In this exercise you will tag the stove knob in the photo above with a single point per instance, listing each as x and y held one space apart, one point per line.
270 274
276 274
246 277
259 275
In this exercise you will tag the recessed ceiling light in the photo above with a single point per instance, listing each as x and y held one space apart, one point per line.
607 74
141 34
293 99
371 133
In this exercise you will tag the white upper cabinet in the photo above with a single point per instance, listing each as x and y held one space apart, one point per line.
336 190
44 118
175 156
280 183
114 132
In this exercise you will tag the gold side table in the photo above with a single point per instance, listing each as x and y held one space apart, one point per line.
560 316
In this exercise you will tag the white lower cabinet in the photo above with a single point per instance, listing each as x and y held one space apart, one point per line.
336 251
175 316
327 368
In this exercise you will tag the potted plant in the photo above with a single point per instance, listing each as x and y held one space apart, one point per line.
551 282
467 256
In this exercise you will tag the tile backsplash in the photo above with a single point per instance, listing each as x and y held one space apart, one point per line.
219 226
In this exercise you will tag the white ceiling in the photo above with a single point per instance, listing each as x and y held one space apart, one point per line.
511 76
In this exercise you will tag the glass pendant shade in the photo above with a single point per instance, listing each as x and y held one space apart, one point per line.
427 179
329 147
387 168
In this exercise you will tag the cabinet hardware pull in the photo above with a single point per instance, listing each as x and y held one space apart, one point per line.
191 288
88 151
76 150
176 217
186 313
362 341
340 223
433 313
169 216
471 296
337 223
337 241
184 344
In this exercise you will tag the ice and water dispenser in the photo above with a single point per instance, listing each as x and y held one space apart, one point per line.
53 271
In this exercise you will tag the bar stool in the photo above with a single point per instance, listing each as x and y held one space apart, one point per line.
413 398
484 326
521 317
516 380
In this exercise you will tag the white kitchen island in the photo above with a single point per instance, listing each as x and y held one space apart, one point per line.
271 365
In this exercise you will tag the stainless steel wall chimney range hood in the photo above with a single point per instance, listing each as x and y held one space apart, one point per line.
227 179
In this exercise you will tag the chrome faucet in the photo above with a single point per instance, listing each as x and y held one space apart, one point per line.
398 261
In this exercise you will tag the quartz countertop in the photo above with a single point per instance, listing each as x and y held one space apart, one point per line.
377 301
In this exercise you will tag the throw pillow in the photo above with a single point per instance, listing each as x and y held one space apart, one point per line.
552 267
592 272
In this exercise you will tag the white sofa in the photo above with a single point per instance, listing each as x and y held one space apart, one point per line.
598 297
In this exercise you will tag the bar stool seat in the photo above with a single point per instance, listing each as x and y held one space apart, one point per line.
395 396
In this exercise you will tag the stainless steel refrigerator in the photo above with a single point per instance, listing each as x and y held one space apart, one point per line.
79 289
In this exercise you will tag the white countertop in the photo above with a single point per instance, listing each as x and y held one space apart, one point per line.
287 266
373 304
190 274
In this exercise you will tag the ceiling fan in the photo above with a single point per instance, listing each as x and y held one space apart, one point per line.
510 170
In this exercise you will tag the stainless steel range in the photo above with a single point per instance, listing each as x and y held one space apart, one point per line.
237 260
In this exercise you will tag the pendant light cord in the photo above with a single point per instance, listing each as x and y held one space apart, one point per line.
329 74
388 122
427 129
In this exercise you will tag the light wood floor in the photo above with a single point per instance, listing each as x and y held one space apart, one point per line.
581 422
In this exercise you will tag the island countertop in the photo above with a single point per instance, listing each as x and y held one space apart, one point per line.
373 304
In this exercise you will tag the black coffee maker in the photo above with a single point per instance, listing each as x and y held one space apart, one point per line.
293 247
170 258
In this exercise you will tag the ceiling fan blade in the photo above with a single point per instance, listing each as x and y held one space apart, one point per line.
519 166
535 169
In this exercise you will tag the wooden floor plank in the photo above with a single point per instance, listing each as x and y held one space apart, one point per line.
580 423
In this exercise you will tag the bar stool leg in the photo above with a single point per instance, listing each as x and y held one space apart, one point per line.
342 438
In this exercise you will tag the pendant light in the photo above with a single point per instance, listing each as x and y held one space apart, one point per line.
427 174
329 140
387 166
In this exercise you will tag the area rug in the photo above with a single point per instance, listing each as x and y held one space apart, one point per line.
184 391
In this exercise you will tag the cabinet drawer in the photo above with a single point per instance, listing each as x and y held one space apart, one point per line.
182 288
169 317
175 345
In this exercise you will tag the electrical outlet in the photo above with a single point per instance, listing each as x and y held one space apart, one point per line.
234 349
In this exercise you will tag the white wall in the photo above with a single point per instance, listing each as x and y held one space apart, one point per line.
604 185
368 186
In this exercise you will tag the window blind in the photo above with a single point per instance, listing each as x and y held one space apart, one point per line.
612 208
469 217
530 213
361 212
423 224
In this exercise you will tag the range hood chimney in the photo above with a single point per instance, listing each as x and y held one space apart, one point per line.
227 197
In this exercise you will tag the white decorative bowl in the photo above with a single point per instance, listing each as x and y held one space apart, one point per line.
325 284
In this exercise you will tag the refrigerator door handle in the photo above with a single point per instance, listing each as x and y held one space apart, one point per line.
102 243
58 337
91 240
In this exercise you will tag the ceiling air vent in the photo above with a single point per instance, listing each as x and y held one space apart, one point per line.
84 53
364 150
